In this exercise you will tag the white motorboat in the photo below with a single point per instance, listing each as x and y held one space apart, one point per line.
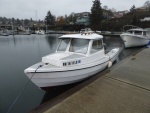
77 57
40 32
86 30
4 33
135 37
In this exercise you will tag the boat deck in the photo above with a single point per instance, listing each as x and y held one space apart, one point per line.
125 88
74 56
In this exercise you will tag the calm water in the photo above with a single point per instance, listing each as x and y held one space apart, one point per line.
17 93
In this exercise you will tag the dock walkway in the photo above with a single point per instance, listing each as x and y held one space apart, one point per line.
124 89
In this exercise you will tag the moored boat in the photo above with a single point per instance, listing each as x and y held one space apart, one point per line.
40 32
135 37
77 57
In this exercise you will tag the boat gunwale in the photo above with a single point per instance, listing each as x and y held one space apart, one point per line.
137 36
81 68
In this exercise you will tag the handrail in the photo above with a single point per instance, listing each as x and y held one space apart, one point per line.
130 26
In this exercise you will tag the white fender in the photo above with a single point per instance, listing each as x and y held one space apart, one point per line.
109 64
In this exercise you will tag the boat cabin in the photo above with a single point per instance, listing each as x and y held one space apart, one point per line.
137 32
86 30
84 44
77 49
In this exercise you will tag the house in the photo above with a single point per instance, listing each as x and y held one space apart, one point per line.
82 14
107 14
85 20
120 14
142 9
82 18
145 19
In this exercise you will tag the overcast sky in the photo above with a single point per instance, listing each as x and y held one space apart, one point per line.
27 8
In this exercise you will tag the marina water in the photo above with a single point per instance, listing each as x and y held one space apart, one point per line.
17 93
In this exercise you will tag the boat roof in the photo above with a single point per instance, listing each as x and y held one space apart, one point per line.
137 29
83 36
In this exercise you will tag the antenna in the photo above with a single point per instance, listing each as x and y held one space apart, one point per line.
36 14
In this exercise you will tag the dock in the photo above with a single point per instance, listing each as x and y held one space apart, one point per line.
123 88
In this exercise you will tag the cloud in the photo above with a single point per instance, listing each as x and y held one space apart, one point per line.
27 8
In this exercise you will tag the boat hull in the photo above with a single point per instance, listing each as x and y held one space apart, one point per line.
64 77
134 40
55 78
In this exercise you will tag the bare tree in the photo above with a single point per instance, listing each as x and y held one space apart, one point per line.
105 7
113 10
147 4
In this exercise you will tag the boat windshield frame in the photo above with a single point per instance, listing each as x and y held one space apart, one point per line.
60 43
78 48
83 49
137 32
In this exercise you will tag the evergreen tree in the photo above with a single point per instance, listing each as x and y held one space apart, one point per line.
147 4
18 22
49 19
132 10
134 17
96 15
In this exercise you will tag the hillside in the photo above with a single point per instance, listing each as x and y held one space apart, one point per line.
117 24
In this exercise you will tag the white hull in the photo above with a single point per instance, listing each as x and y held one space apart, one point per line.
134 40
56 78
66 77
41 32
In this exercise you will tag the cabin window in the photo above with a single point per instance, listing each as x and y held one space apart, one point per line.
130 32
144 32
79 45
138 32
63 44
96 46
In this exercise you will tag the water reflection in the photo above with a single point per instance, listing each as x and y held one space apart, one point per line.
16 54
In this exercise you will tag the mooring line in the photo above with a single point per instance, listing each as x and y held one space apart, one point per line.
22 90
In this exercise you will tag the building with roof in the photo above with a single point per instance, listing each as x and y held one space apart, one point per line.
82 18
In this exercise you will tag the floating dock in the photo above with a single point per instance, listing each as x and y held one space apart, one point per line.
125 88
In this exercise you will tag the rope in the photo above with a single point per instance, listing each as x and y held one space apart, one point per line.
22 90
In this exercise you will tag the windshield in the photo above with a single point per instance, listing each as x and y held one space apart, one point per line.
63 44
79 45
131 32
138 32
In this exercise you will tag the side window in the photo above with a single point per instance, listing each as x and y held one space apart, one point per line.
138 32
144 32
96 46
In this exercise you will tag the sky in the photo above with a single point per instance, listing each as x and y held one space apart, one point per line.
26 9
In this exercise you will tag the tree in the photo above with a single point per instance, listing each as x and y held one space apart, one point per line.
113 10
134 17
66 19
147 5
96 15
132 10
50 19
18 22
105 7
60 20
26 22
